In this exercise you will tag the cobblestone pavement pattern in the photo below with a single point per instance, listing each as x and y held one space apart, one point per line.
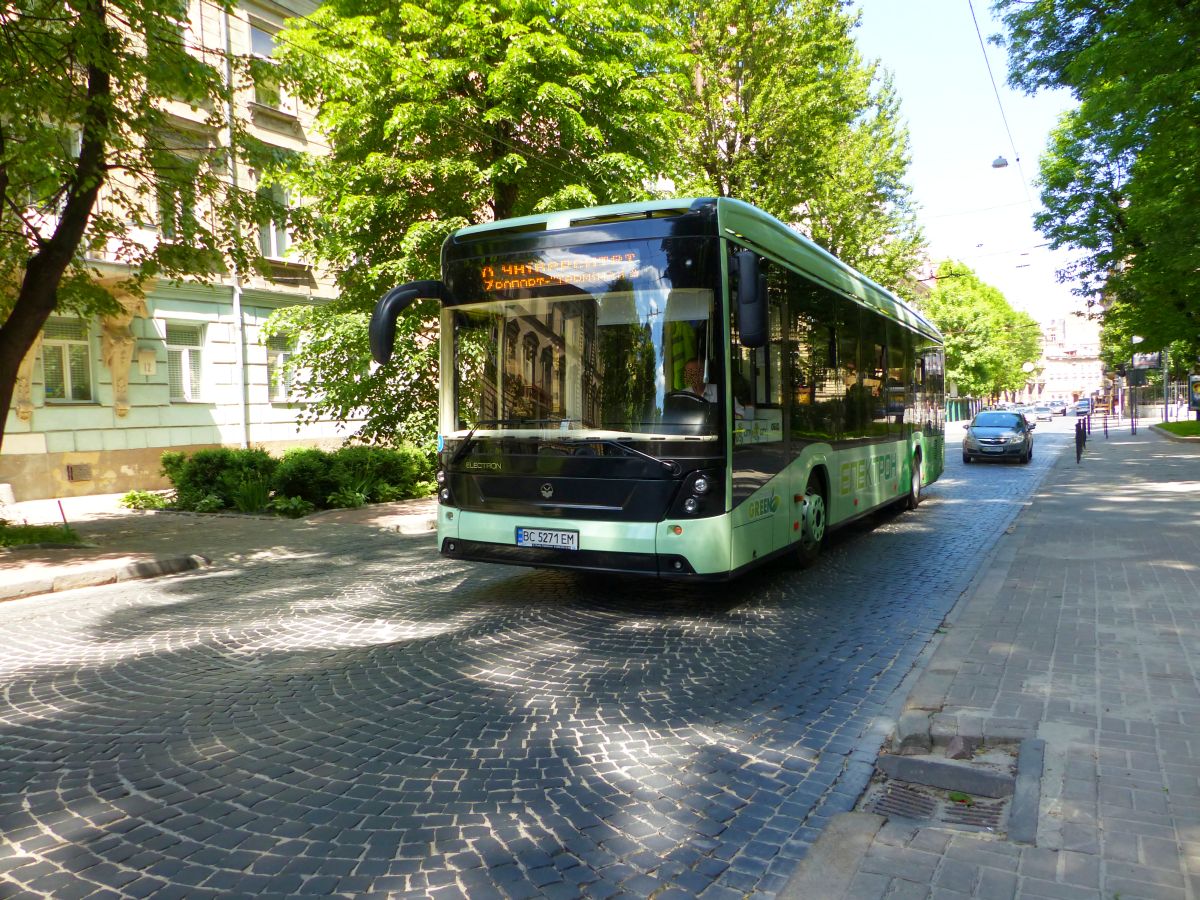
364 717
1086 632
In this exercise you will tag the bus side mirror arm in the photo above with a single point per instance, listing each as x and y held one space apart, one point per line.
752 300
382 331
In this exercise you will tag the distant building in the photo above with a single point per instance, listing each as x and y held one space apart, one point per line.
1070 367
98 402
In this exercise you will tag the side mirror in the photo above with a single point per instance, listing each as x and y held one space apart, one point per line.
967 427
752 299
382 330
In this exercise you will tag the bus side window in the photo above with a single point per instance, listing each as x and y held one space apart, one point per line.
812 352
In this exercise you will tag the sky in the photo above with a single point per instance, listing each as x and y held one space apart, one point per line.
971 211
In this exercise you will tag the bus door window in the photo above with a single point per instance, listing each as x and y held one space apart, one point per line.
815 392
873 369
896 385
855 406
757 383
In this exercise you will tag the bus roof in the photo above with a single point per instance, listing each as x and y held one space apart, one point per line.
743 223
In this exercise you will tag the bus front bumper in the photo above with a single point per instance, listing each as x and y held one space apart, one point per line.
700 549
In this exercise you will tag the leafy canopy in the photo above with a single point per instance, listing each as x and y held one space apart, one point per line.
444 114
113 128
1121 176
988 343
782 111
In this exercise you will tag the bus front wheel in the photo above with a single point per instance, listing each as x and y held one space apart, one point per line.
813 523
914 487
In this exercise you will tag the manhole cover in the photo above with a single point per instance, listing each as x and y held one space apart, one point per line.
981 813
902 800
899 799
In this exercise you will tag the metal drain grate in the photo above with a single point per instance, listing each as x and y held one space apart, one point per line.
981 814
901 800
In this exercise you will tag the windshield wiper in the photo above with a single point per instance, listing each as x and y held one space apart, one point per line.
669 464
465 445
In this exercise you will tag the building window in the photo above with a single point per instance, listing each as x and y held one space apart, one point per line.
267 89
67 361
279 377
184 346
272 234
175 191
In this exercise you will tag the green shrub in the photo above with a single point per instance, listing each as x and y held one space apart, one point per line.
209 503
252 494
218 471
386 493
173 462
346 498
292 507
367 469
305 472
143 500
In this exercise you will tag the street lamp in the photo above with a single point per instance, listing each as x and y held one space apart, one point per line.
1000 162
1134 340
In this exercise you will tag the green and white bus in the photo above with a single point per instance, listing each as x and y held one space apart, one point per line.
679 388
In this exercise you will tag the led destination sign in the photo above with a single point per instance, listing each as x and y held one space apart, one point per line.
574 271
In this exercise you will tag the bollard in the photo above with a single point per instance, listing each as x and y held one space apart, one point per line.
1106 426
1080 439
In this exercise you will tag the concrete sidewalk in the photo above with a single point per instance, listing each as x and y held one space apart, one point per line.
122 544
1079 643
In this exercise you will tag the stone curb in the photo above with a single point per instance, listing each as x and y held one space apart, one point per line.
67 580
1181 438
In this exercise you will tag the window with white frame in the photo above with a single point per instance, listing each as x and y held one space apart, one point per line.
67 361
279 377
267 89
185 346
272 234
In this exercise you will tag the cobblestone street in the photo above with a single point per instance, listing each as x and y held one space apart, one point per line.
368 718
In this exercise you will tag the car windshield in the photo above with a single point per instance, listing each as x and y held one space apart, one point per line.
997 420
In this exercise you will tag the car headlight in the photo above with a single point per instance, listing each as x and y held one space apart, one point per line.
1015 438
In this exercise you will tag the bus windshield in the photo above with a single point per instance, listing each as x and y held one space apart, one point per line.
611 340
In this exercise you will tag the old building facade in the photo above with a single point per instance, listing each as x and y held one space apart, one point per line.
187 365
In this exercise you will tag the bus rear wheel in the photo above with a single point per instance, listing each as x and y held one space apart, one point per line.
813 523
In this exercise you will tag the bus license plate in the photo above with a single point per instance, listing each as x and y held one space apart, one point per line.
541 537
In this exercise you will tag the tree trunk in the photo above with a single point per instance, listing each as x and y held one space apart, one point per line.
38 293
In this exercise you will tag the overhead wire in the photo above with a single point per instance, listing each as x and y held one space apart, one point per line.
995 88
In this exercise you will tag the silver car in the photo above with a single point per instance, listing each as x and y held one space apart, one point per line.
998 435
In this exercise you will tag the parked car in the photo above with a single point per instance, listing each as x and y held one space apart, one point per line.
1042 413
1058 407
998 435
1082 407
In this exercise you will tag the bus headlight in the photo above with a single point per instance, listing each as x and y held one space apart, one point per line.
690 505
441 476
444 495
700 485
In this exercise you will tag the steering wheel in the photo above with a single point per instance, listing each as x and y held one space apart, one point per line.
689 395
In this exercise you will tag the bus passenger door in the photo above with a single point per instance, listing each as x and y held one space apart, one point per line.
760 499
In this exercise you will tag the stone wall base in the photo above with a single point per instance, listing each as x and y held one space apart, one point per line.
44 476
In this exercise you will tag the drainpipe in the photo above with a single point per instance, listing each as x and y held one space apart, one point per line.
239 322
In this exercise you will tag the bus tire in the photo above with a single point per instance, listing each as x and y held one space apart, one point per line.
914 483
814 521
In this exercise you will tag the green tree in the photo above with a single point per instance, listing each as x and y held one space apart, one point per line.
84 114
783 112
988 343
1120 180
444 114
